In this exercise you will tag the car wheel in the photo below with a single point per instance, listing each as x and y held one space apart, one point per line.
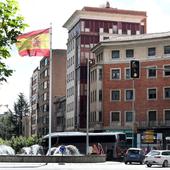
141 162
130 162
126 162
149 165
165 163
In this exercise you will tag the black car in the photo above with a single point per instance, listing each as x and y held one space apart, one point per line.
134 155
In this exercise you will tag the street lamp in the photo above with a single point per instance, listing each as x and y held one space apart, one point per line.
87 114
89 61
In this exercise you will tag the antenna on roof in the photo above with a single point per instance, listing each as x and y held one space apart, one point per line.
107 4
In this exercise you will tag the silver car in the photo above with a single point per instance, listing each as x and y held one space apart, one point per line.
158 157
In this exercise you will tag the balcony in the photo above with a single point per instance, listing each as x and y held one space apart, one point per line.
156 124
96 125
115 124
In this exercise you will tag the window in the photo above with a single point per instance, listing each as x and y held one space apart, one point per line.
129 95
45 96
46 73
129 53
115 95
45 84
129 117
44 108
100 116
115 54
100 95
82 26
167 115
114 29
152 72
167 92
167 70
152 51
115 116
152 93
115 74
166 49
100 74
127 74
152 115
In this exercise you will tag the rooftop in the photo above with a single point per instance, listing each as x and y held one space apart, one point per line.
113 11
119 38
105 13
127 39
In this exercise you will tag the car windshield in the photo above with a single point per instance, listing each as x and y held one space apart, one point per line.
133 152
153 153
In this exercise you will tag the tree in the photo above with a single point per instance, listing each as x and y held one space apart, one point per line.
21 108
11 25
7 125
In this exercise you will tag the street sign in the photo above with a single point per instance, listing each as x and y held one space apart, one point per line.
62 149
148 136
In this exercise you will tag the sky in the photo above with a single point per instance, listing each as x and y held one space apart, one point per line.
39 14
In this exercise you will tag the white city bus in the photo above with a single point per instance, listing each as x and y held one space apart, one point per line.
113 143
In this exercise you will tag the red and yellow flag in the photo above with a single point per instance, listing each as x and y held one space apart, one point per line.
35 43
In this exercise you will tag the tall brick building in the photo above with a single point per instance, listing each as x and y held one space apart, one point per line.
86 28
131 105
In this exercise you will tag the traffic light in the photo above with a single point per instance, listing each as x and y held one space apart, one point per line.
134 68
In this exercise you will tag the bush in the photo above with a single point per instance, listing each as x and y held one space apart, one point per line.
19 142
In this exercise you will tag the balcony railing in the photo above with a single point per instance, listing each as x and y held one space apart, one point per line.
96 125
144 124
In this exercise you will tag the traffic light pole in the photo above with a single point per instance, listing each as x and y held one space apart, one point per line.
133 111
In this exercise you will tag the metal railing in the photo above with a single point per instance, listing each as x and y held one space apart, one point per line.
143 124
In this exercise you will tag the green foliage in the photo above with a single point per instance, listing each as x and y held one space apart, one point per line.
21 108
11 25
2 141
18 142
7 125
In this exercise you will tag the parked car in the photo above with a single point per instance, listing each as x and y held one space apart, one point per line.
134 155
158 157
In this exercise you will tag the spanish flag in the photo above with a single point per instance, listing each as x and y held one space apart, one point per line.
35 43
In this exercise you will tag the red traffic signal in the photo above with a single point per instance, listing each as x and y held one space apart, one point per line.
134 68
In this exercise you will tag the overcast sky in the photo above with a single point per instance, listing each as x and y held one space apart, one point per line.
40 13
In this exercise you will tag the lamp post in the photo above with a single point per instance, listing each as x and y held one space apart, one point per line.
87 112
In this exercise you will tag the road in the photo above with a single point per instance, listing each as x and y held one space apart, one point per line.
74 166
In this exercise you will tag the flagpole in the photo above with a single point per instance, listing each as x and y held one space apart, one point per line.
50 90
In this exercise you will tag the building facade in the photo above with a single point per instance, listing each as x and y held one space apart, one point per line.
86 28
34 100
132 105
58 89
60 111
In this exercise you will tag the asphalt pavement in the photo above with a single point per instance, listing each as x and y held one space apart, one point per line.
74 166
